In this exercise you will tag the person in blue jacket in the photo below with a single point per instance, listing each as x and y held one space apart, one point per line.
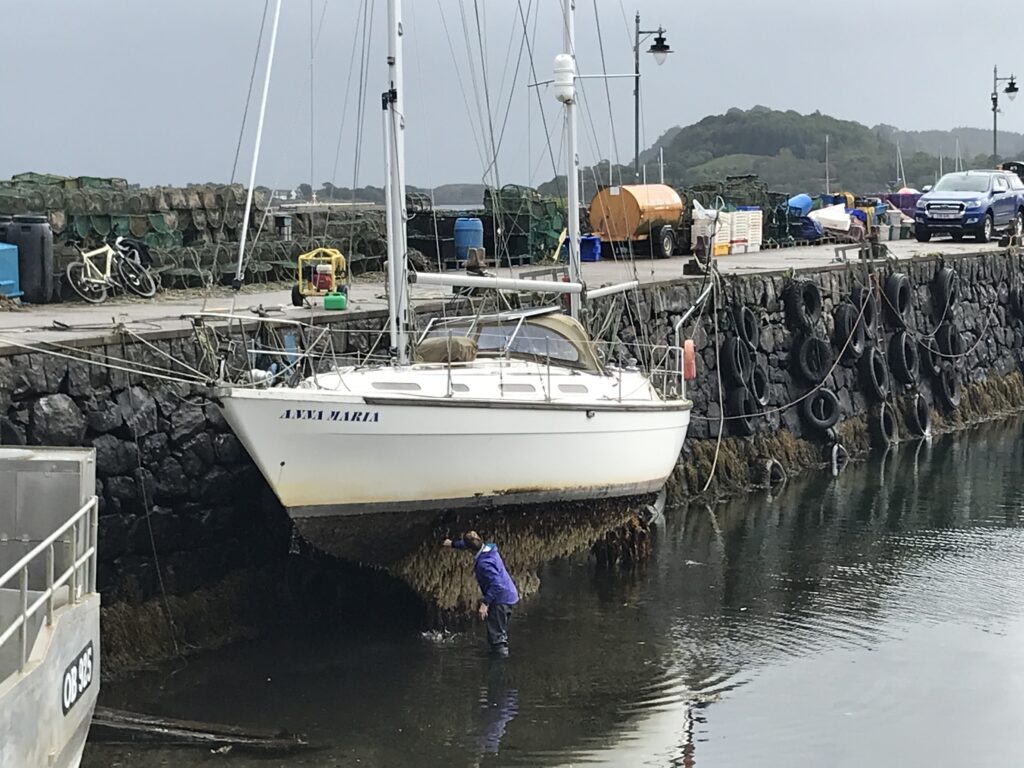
498 589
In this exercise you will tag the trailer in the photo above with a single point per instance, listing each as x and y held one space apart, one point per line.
647 214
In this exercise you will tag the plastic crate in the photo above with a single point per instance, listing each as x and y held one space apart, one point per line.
720 249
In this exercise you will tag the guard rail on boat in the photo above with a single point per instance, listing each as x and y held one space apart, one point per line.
80 576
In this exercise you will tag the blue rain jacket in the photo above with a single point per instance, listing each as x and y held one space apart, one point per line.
495 583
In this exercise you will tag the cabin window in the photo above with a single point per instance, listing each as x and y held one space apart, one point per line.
459 387
518 388
573 389
397 386
532 340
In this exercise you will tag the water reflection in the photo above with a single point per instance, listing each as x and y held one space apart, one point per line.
848 621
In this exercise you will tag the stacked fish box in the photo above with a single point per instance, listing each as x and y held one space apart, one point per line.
747 230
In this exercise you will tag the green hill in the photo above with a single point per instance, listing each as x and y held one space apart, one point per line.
787 150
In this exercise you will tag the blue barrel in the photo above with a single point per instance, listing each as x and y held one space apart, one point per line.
469 233
34 238
590 248
9 285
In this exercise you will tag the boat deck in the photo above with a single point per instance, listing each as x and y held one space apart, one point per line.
75 322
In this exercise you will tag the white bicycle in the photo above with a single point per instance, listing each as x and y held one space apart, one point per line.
119 268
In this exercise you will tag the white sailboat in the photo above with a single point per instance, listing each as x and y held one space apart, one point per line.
476 411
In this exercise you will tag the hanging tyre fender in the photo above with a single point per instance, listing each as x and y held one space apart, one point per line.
897 299
740 408
848 333
803 304
918 416
950 341
945 293
864 298
903 359
1017 302
736 362
931 359
884 426
747 326
814 359
875 374
947 387
820 409
759 382
774 473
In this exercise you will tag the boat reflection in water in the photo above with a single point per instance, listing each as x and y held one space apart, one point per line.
847 621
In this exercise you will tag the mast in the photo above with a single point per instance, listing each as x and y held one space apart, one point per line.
565 92
394 189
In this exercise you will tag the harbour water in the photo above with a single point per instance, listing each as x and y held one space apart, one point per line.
876 618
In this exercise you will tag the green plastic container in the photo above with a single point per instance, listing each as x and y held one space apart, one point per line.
338 301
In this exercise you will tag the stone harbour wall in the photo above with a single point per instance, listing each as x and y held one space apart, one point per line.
183 506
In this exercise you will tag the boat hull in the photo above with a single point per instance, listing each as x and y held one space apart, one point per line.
327 455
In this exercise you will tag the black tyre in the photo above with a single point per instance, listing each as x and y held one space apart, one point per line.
903 359
918 416
950 343
820 409
1016 301
741 409
884 427
864 298
875 374
803 304
945 293
848 335
947 387
663 243
814 359
747 327
94 293
931 359
897 299
736 362
922 234
759 382
136 278
297 297
987 228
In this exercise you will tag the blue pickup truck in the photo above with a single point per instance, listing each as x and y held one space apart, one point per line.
974 203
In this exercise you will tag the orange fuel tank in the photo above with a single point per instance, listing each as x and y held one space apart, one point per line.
634 211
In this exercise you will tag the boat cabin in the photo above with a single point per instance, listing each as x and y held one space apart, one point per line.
543 336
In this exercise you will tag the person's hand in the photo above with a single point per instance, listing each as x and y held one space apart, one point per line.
482 611
446 543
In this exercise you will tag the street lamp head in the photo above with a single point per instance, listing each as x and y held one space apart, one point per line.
1011 88
660 48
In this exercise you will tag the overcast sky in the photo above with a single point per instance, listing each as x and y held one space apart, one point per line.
154 92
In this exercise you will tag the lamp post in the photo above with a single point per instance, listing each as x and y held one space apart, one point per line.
660 50
1011 91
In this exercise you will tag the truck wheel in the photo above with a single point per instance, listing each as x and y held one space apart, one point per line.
663 245
986 229
922 234
1019 224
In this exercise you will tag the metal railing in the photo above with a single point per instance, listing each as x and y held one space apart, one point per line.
80 575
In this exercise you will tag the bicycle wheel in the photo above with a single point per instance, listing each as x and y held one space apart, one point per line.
136 278
92 291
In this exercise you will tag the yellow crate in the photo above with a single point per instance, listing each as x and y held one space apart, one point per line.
720 250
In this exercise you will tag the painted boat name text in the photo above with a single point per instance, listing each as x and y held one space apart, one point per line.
308 414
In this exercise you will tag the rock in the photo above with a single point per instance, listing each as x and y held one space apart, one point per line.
153 448
113 536
158 530
121 488
187 422
104 419
56 420
215 486
227 448
138 409
172 484
11 433
197 455
78 382
215 418
114 456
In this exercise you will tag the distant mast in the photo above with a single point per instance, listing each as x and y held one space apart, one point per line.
828 179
